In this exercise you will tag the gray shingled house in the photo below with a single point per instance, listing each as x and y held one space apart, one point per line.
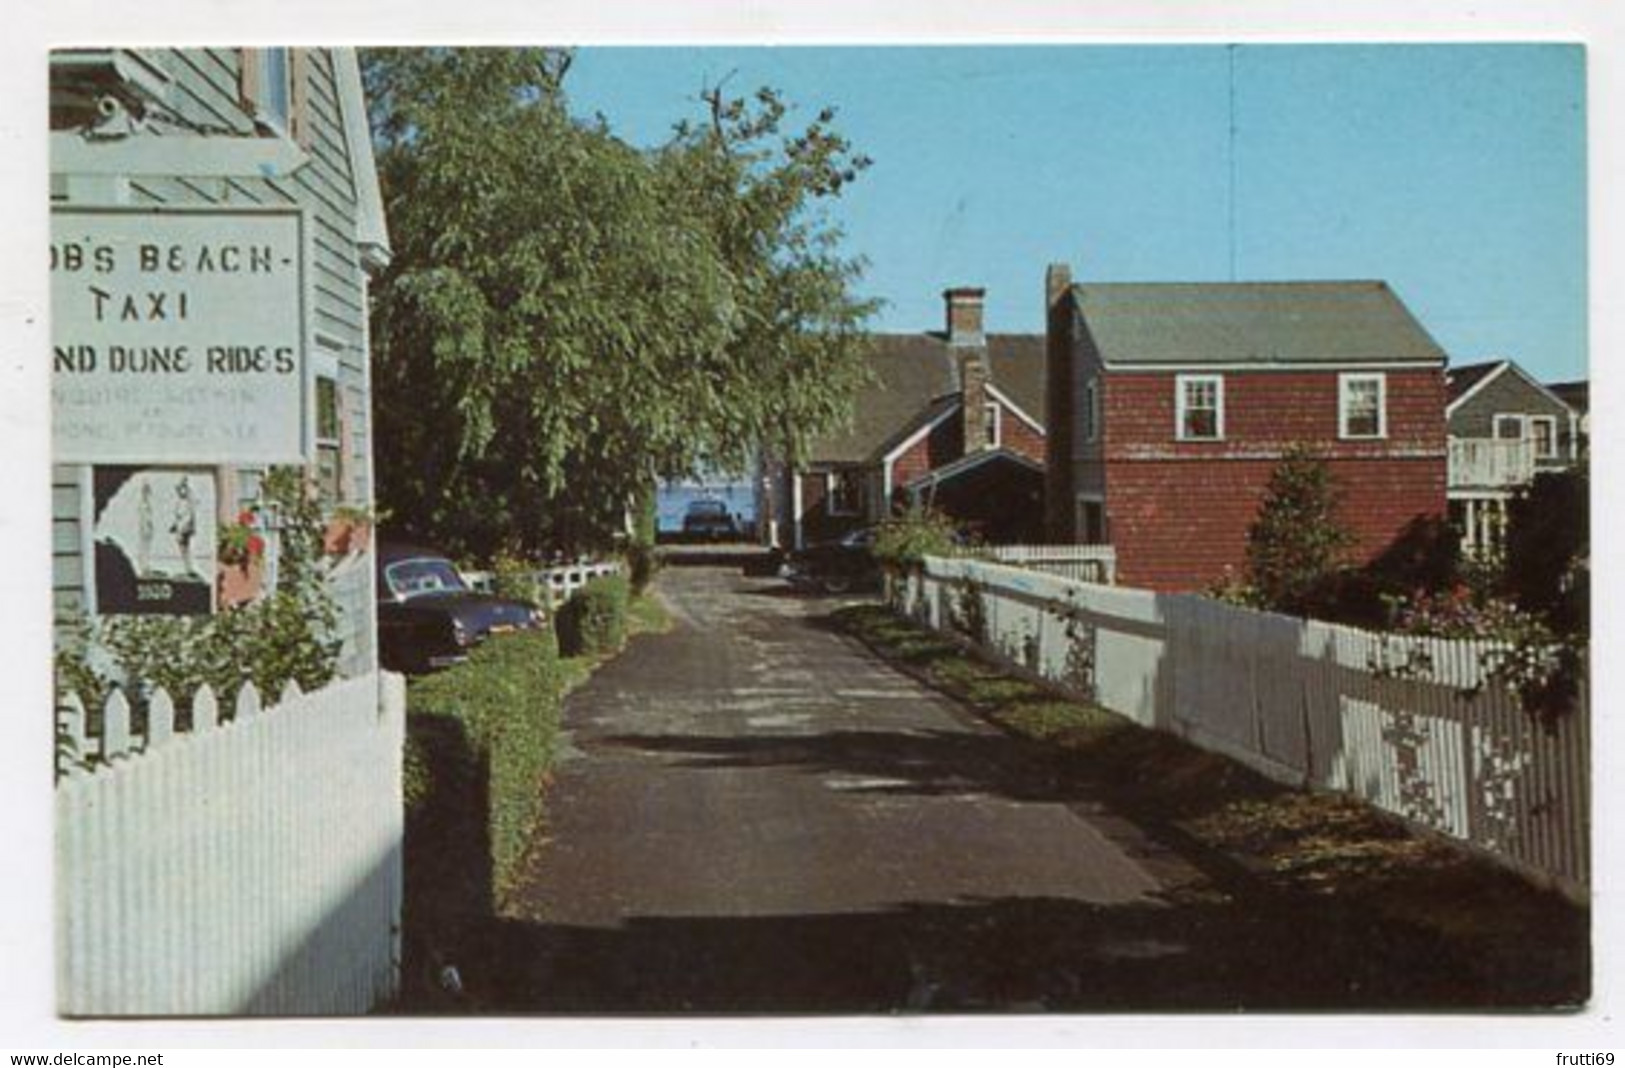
1504 427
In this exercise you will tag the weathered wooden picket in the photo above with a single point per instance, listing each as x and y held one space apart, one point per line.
1086 563
1415 726
558 583
251 866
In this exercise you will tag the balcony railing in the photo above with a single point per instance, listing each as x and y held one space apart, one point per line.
1482 463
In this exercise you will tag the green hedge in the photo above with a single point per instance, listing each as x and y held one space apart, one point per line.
481 736
594 620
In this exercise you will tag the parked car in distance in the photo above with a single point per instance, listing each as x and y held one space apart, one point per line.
710 520
427 615
841 565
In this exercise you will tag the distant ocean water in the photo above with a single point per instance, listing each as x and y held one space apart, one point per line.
671 502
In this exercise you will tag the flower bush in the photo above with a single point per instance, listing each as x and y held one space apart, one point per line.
239 542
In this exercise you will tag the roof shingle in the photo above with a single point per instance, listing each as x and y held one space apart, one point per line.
915 379
1252 322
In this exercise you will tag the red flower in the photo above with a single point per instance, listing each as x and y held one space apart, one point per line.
256 545
246 517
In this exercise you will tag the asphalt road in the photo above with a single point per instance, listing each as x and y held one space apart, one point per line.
758 816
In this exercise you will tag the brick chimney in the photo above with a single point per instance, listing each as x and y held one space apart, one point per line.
967 344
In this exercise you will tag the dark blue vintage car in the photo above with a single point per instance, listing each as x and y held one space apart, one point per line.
709 520
427 615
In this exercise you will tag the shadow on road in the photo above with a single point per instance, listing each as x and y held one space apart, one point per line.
1218 938
1005 955
1226 942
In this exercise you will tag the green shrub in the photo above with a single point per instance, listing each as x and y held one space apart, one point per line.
481 737
904 541
515 578
1297 541
594 620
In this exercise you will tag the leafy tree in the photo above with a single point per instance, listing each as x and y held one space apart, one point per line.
1297 542
567 319
1547 566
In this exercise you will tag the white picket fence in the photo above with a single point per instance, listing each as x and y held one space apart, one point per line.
1086 563
1414 726
558 583
251 866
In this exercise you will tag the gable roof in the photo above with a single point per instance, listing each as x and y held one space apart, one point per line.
1460 381
915 381
1476 376
1208 323
1017 363
971 462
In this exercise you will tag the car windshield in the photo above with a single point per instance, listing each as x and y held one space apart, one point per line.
859 539
422 575
707 508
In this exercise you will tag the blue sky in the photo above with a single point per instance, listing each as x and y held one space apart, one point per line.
1454 172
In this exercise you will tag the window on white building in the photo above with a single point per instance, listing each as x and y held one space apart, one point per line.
267 85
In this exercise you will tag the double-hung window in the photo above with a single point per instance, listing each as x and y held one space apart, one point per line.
1199 407
1362 406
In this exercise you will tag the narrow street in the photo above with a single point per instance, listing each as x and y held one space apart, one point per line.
757 816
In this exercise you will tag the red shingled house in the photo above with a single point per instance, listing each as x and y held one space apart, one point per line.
951 420
1171 404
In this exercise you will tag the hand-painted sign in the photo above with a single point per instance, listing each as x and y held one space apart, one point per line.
178 337
155 541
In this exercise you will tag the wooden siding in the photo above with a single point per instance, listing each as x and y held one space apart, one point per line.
1265 412
1179 524
1508 393
203 87
1178 511
1017 435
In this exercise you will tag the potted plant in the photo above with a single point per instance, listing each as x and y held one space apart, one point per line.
241 552
349 530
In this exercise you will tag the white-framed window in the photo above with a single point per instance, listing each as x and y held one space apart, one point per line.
1090 425
267 85
992 425
1541 430
327 419
1199 407
844 491
1362 406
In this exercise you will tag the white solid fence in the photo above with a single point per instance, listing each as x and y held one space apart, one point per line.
244 867
1414 726
1086 563
559 583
